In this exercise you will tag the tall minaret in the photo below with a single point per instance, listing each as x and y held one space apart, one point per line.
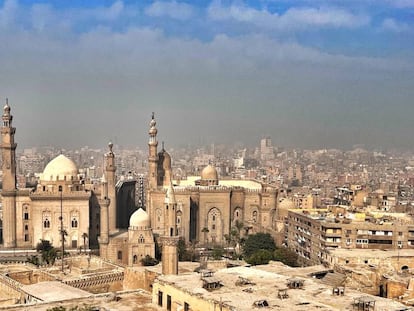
111 180
104 218
170 239
8 152
152 156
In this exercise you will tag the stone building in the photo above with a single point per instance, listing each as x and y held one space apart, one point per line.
65 203
207 207
61 201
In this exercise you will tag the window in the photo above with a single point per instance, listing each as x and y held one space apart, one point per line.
141 239
26 216
26 237
254 218
135 259
213 226
74 223
119 255
26 227
168 302
46 223
74 243
400 233
160 298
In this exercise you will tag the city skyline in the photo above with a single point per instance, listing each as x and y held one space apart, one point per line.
310 74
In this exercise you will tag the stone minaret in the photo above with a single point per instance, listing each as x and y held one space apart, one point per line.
111 180
170 239
104 218
152 156
8 148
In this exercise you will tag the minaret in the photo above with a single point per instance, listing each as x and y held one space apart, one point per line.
8 152
170 239
152 156
104 218
110 177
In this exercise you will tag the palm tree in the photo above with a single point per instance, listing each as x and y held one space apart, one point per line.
84 237
205 231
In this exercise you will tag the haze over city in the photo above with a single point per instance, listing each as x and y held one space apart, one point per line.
309 74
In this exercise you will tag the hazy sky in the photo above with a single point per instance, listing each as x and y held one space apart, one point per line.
310 73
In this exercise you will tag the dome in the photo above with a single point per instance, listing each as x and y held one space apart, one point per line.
209 173
59 168
139 218
286 204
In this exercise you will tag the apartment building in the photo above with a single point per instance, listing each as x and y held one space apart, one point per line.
310 233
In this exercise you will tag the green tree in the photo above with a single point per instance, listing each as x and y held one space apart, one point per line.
47 251
183 254
256 242
217 253
84 237
260 257
149 261
287 256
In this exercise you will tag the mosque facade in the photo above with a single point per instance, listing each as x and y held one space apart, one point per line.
65 204
207 208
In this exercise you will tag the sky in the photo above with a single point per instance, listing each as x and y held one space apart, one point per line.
307 73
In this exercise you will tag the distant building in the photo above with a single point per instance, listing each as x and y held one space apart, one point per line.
310 233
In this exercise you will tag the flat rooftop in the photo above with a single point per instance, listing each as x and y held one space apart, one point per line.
370 253
265 285
54 291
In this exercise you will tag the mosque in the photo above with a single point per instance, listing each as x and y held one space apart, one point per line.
207 207
65 204
201 209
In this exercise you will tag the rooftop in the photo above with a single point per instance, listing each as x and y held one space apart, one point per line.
264 285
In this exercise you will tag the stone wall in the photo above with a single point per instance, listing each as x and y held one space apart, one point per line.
139 277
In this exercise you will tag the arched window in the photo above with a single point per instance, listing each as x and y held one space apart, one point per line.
119 255
254 216
74 223
46 223
141 239
135 259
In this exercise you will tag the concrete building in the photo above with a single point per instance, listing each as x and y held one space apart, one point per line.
310 233
270 287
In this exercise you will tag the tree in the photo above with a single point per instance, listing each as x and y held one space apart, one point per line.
256 242
217 253
205 231
84 237
260 257
47 251
183 254
149 261
286 256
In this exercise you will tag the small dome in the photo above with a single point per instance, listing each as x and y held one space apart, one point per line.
59 168
209 173
139 218
286 204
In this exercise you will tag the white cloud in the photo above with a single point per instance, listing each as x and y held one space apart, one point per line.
109 14
391 24
173 9
294 18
